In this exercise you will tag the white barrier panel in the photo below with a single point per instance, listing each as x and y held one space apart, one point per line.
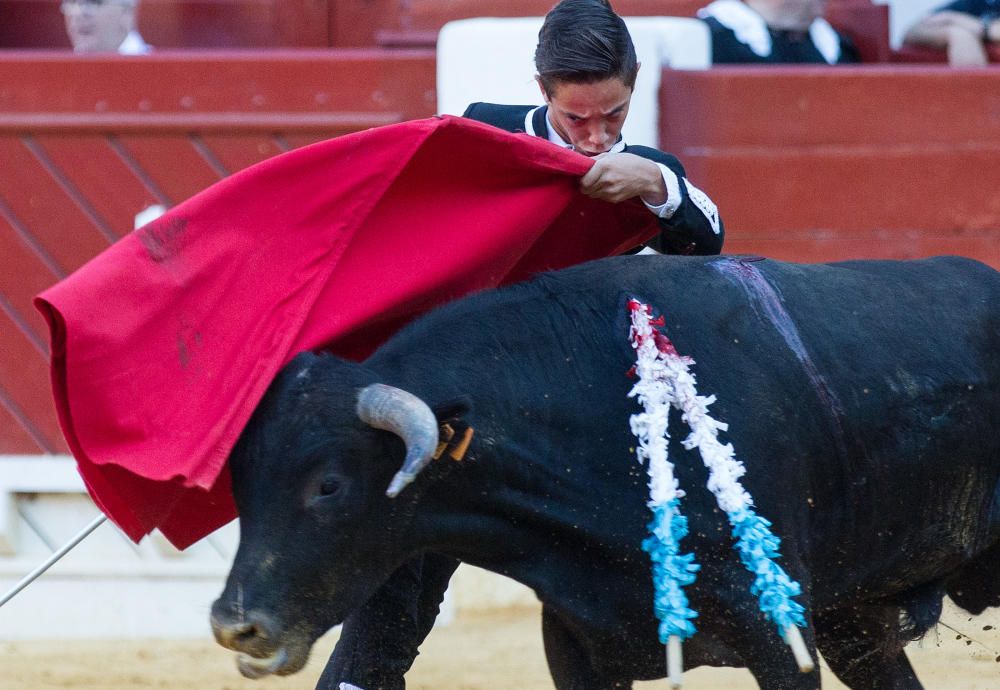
492 60
106 587
110 588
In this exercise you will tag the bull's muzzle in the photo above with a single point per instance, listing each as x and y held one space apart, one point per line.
253 634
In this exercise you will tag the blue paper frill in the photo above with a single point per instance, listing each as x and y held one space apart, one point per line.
758 547
671 571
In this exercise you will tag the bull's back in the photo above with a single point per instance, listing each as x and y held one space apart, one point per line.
858 394
818 351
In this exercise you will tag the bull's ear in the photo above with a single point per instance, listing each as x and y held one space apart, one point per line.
453 410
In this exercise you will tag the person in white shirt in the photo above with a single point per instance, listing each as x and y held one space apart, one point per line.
774 32
104 26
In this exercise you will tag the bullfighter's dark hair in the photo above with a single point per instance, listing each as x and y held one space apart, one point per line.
584 41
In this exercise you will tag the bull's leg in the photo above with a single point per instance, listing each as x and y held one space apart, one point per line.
865 649
739 624
763 651
569 663
976 587
379 642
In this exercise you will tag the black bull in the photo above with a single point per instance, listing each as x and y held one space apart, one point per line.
863 398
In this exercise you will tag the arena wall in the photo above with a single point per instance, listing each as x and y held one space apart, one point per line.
89 142
818 164
806 164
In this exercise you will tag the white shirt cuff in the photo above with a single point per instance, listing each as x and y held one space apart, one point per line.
673 202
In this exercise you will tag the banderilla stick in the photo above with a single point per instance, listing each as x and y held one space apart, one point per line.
675 661
63 550
799 649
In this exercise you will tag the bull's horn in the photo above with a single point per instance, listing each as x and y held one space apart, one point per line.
407 416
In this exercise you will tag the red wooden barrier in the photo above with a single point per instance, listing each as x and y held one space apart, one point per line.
87 142
417 22
867 25
185 23
908 53
815 164
360 23
806 163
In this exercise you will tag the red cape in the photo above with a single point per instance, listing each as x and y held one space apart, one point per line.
163 344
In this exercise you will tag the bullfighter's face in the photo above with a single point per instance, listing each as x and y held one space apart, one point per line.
589 116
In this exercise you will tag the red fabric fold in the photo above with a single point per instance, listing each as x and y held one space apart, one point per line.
163 344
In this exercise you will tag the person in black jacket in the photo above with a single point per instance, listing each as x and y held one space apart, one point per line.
774 32
586 66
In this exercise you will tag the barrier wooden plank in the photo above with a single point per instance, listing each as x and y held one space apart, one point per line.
23 276
797 105
184 23
807 246
15 439
238 152
867 25
161 157
355 23
814 164
31 192
287 81
97 179
22 369
844 190
908 54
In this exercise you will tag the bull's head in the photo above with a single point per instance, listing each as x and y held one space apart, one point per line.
310 476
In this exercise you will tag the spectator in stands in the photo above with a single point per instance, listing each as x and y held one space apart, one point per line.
104 26
774 32
962 28
587 67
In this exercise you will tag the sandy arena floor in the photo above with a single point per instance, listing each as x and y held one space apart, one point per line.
502 651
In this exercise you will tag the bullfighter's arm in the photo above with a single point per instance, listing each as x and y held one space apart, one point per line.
379 641
689 220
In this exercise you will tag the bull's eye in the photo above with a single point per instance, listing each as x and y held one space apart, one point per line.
329 487
327 492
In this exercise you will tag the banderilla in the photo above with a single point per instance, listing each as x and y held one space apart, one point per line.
63 550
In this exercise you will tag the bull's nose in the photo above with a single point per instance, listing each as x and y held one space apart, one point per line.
244 633
230 633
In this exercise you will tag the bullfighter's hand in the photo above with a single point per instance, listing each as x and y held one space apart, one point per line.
616 177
